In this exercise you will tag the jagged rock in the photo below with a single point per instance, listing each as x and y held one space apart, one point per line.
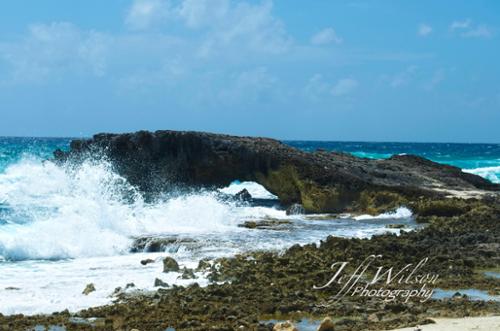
373 318
89 289
187 273
296 209
147 261
243 195
395 226
160 283
326 325
203 265
321 181
269 224
249 225
151 244
169 264
285 326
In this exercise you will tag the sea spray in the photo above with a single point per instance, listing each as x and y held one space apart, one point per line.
89 210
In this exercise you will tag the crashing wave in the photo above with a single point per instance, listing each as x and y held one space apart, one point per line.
56 212
490 173
400 213
256 190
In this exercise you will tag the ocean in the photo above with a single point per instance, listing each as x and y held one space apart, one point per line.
63 227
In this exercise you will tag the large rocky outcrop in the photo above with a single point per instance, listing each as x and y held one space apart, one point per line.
321 181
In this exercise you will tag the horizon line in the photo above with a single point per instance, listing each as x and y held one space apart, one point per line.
279 139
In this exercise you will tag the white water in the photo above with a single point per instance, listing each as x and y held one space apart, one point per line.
491 173
257 191
400 213
61 229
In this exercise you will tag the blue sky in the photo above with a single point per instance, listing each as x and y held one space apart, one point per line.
327 70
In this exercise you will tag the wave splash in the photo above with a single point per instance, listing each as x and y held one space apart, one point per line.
400 213
53 212
490 173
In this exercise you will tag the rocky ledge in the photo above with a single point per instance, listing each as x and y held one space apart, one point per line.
321 181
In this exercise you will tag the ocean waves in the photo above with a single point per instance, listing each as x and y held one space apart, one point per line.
490 173
53 212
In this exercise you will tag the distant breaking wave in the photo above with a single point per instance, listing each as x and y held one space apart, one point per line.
491 173
400 213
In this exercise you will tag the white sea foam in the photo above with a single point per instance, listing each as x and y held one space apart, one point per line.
491 173
59 213
256 190
400 213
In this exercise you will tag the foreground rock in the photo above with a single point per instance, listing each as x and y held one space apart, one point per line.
285 326
88 289
326 325
169 265
320 181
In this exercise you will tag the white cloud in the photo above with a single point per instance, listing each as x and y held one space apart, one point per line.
217 24
143 14
467 29
316 88
480 31
458 25
252 86
326 36
437 78
403 78
199 13
344 86
424 30
50 50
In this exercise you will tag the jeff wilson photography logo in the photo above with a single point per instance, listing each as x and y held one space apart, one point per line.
413 283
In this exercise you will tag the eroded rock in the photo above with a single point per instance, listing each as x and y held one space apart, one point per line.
170 264
285 326
326 325
88 289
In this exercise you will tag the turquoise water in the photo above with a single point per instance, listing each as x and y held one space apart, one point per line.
12 150
472 294
479 159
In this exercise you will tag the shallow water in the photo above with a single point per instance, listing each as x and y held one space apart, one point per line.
473 294
492 274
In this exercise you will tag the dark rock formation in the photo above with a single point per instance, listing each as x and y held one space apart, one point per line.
89 289
160 283
320 181
169 264
147 261
151 244
243 195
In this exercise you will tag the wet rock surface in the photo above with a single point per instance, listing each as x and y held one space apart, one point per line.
320 181
88 289
170 264
151 244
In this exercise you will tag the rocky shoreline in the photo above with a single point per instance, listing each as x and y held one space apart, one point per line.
252 291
